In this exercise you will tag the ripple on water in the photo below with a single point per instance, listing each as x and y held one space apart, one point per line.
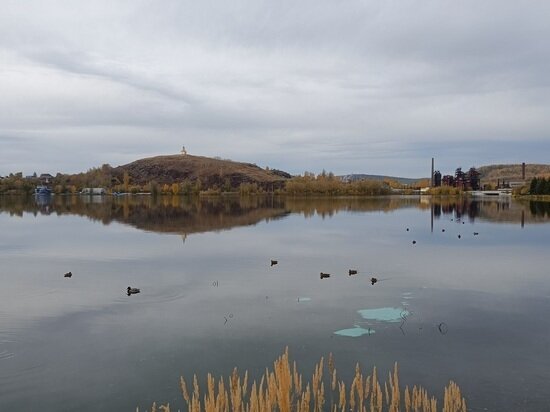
5 354
152 296
7 339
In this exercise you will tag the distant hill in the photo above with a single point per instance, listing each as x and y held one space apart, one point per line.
401 180
489 174
512 172
210 171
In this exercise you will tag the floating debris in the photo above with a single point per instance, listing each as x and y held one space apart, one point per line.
373 280
325 275
352 272
274 262
304 299
384 314
355 332
68 274
443 328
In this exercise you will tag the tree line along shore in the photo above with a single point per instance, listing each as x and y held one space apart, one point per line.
198 175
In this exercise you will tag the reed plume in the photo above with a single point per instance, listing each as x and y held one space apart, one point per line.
282 389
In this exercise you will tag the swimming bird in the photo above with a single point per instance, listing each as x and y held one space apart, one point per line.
443 230
325 275
132 291
459 236
407 229
414 242
373 280
68 274
352 272
274 262
476 233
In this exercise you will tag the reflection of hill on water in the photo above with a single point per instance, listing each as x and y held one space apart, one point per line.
183 215
202 216
170 214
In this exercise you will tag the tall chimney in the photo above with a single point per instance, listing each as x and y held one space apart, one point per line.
432 179
523 171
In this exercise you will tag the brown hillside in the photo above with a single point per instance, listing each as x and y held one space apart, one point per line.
512 172
210 172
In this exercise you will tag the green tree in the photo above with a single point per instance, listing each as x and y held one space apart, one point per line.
540 187
533 186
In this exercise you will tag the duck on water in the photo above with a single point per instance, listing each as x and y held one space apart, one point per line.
132 291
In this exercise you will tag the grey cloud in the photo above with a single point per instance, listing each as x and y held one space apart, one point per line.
82 64
313 84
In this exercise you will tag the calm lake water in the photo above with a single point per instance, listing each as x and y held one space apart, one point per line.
473 309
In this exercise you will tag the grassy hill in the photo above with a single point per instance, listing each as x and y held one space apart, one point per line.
401 180
211 172
512 172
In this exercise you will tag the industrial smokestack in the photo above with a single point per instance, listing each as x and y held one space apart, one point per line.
523 171
432 179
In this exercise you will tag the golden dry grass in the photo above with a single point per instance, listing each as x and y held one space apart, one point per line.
282 389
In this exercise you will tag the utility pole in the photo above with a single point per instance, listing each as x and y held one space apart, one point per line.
432 175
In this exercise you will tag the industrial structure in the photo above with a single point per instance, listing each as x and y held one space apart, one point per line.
463 180
471 179
505 183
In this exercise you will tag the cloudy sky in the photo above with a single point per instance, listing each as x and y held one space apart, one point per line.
348 86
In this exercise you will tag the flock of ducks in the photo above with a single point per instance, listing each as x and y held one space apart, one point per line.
324 275
351 272
132 291
443 230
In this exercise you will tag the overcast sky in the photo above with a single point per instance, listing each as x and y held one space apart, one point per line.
346 86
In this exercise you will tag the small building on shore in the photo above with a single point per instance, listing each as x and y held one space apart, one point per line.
46 178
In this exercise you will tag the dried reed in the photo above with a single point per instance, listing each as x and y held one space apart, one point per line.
281 389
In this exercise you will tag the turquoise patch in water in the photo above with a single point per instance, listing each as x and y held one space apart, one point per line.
384 314
354 332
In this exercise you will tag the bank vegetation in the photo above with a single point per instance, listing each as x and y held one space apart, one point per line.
284 389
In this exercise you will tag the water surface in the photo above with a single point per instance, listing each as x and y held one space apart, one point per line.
472 309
